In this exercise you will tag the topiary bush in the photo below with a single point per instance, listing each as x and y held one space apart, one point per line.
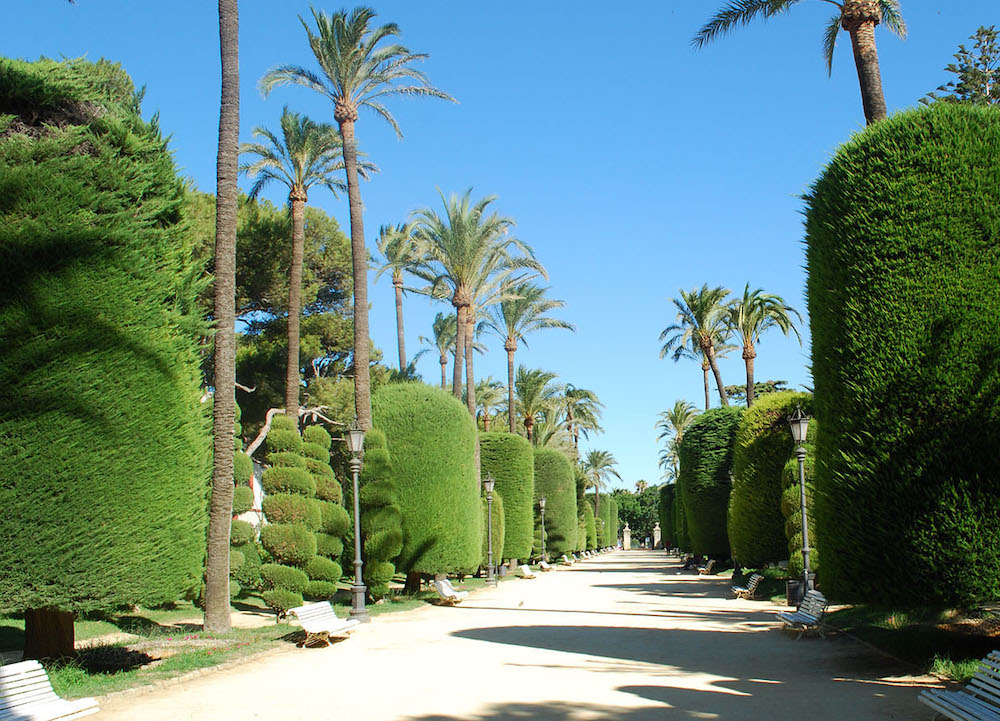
666 515
320 590
589 526
431 441
498 530
762 447
335 520
680 520
381 520
291 545
290 508
283 440
247 574
614 519
240 532
791 507
287 479
242 499
706 459
275 575
287 459
281 600
315 452
555 481
903 246
509 459
242 468
323 569
317 435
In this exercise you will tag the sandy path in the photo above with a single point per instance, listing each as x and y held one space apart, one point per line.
621 637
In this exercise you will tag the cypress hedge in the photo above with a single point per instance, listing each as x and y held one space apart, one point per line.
680 520
381 519
555 481
903 251
431 441
666 515
613 518
706 459
509 458
791 506
498 530
98 352
762 447
589 526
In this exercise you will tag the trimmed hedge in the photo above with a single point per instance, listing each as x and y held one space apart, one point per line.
283 440
335 519
614 519
292 508
508 457
286 479
291 545
317 435
381 520
240 532
323 569
589 526
329 546
287 459
320 590
555 481
706 459
315 452
498 530
247 574
680 520
275 575
242 499
431 439
281 599
666 515
761 449
903 251
242 468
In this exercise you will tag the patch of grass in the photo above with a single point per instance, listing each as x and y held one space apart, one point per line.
772 587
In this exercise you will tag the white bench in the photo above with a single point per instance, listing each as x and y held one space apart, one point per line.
544 566
750 589
979 701
449 596
808 616
707 568
320 622
26 695
566 559
526 571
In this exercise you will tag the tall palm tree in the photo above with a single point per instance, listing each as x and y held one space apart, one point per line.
672 424
701 318
641 486
858 18
752 315
306 154
536 396
583 412
550 432
523 312
401 252
217 611
357 70
489 396
598 466
467 256
445 330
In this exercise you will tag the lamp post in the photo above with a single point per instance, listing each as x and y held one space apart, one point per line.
488 484
541 505
799 423
355 438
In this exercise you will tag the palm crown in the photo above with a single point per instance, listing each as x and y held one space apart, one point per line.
701 320
522 311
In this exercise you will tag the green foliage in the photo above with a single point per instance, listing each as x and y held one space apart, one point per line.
614 519
242 468
283 440
328 489
381 520
706 457
288 459
509 459
329 546
99 341
762 446
666 515
292 545
317 435
247 574
288 479
680 520
316 452
498 529
292 508
275 575
236 559
431 439
589 526
323 569
242 499
281 599
639 510
791 506
977 72
904 358
555 481
240 533
336 520
320 590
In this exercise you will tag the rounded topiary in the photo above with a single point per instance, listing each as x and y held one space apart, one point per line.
680 520
762 446
275 575
377 575
240 532
236 559
281 422
431 439
323 569
706 459
589 526
281 600
315 452
290 544
234 588
335 519
381 519
498 530
283 441
509 459
248 572
242 468
287 479
329 546
666 515
317 435
293 508
242 499
555 481
287 459
320 590
328 489
903 246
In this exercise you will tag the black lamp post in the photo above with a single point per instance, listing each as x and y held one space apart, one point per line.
799 423
488 483
355 438
541 505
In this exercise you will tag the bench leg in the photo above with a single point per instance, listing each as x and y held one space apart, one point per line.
315 639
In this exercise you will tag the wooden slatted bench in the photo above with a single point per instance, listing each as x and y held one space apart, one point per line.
808 616
750 589
320 622
978 701
544 566
526 571
707 568
567 560
449 596
27 695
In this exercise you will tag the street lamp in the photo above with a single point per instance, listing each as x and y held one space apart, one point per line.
488 484
799 423
541 505
355 438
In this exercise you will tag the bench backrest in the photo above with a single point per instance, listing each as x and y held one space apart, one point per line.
525 570
543 565
813 604
321 610
986 682
445 588
755 580
23 684
708 566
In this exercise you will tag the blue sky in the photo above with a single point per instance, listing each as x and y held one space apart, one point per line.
632 163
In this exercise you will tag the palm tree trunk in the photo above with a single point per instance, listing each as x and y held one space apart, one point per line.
718 376
859 18
359 261
217 612
470 382
444 371
511 414
486 421
748 355
292 384
456 379
529 424
705 367
400 341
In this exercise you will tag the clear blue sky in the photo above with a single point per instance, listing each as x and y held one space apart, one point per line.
632 163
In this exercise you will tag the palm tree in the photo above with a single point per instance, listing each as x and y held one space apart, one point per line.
445 330
467 257
217 611
357 71
671 425
583 412
523 312
640 486
858 17
305 155
701 319
549 432
599 465
401 253
536 396
753 314
489 395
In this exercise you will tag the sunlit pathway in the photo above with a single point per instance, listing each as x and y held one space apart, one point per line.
622 637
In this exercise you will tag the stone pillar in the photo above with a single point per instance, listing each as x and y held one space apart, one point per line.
627 538
656 536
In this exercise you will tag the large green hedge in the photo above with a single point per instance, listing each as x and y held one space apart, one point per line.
431 440
509 459
105 445
498 530
791 507
903 255
555 481
666 515
680 520
762 446
589 526
381 520
706 457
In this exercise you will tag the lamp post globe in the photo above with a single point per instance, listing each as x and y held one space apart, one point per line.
355 439
798 422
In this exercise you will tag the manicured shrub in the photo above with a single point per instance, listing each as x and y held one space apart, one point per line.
281 440
289 508
281 600
555 481
282 422
242 499
328 489
606 527
315 452
287 479
680 520
903 246
581 532
240 532
706 459
791 508
276 575
234 588
335 520
381 521
242 468
590 527
762 446
320 590
431 441
323 569
498 529
293 545
329 546
287 459
666 515
247 574
317 435
509 459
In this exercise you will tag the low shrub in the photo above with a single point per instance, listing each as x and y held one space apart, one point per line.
323 569
242 499
288 508
275 575
240 532
281 600
320 590
286 479
289 544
